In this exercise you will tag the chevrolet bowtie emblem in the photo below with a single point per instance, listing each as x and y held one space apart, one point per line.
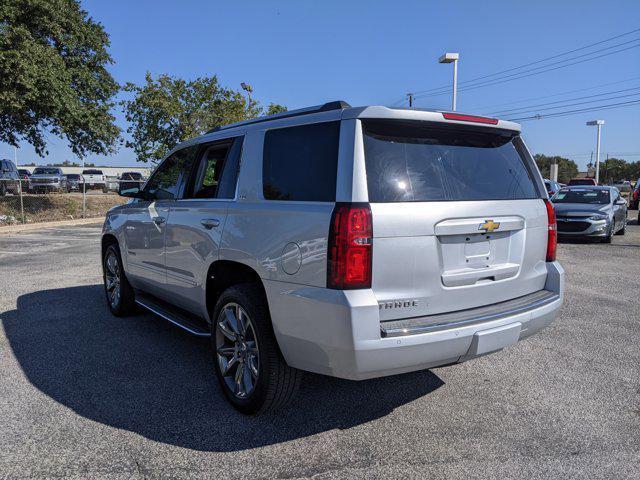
489 226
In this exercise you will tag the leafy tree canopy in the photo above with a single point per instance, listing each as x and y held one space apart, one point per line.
53 77
165 111
567 169
616 169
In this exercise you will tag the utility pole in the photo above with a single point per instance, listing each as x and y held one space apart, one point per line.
597 123
410 95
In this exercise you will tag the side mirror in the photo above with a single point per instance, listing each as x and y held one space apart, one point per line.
130 191
621 201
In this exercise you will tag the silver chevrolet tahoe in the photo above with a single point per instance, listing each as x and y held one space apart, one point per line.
352 242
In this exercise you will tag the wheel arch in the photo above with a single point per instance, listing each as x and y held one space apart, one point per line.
106 240
223 274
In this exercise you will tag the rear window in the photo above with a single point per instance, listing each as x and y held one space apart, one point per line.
418 162
577 181
92 172
131 176
300 163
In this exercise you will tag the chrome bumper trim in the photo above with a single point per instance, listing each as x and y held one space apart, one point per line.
414 326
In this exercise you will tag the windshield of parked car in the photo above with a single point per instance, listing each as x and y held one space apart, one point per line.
600 197
410 161
73 176
46 171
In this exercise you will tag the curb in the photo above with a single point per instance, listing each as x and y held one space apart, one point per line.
37 226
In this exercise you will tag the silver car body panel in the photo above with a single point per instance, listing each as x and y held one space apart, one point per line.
420 262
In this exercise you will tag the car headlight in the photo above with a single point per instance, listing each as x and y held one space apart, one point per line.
599 216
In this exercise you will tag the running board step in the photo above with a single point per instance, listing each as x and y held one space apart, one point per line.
185 321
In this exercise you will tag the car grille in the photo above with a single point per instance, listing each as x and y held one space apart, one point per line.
572 227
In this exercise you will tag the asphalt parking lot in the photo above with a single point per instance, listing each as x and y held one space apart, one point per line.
87 395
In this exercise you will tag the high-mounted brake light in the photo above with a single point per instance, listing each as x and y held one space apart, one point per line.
552 237
350 247
470 118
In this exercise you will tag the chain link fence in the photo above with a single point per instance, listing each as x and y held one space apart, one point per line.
25 201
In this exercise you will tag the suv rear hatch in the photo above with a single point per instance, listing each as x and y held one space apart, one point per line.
459 220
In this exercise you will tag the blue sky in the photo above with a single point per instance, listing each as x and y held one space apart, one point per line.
301 53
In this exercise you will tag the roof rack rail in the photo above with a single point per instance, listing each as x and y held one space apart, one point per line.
337 105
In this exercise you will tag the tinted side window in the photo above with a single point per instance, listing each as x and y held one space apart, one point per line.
300 163
167 181
209 171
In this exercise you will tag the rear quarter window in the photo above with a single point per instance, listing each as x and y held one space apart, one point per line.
418 162
300 163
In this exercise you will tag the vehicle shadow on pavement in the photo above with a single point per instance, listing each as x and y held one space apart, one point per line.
143 375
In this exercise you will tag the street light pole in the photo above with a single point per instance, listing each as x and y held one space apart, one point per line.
599 124
247 88
452 58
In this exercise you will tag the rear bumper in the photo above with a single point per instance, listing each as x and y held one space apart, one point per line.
338 333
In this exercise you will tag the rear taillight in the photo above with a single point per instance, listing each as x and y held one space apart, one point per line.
470 118
552 238
350 247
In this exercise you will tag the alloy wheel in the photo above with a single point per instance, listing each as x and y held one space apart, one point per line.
237 350
112 279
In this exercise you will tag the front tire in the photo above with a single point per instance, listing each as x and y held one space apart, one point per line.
118 291
249 365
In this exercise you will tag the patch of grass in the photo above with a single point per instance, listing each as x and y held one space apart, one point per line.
56 206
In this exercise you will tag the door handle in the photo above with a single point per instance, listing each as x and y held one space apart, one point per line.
159 220
209 223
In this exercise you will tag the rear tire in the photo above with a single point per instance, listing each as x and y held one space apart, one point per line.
249 365
118 291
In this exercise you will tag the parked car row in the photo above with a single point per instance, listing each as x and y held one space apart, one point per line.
52 179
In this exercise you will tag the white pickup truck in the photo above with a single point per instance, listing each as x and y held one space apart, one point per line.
94 179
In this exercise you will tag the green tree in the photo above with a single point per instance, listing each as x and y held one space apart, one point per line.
612 170
53 77
168 110
567 169
274 108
